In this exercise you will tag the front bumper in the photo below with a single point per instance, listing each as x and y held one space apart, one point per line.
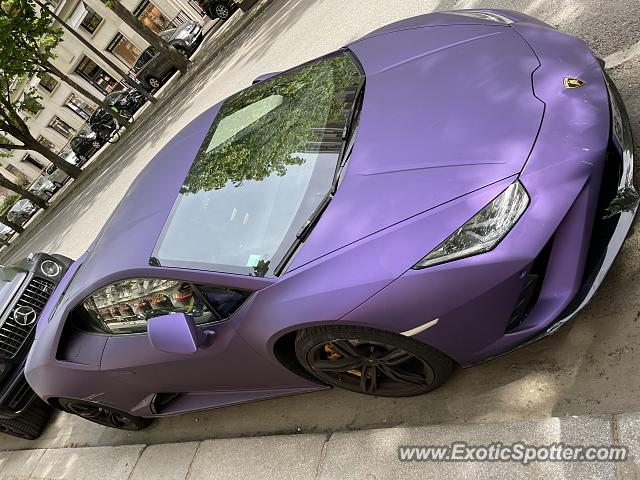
621 211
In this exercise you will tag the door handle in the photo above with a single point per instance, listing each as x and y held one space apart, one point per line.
207 338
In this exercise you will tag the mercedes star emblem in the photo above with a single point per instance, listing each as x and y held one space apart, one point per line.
24 316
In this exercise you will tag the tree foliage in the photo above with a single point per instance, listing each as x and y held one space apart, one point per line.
311 99
27 43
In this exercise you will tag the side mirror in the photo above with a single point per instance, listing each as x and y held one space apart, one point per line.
173 333
265 76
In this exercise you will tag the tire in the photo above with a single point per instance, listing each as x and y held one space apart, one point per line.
219 10
95 144
109 417
154 83
393 365
115 135
29 424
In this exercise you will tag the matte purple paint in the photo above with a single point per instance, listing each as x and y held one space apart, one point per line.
173 333
455 110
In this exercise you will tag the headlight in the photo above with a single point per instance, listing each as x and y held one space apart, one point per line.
484 231
50 268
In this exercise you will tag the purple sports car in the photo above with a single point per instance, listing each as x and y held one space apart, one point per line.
438 193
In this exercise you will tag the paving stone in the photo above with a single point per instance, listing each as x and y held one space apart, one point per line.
373 454
278 457
18 464
94 463
169 461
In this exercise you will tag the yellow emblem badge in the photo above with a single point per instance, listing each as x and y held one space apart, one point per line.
571 82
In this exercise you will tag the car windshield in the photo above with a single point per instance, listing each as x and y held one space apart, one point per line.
167 34
85 131
265 165
112 98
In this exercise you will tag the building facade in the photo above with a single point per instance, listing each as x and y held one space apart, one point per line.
65 110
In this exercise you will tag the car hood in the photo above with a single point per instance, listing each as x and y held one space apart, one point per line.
438 121
447 110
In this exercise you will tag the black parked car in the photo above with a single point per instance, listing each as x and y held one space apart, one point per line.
125 102
221 9
86 143
152 69
24 290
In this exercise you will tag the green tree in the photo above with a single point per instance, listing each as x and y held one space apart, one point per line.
16 67
33 38
313 100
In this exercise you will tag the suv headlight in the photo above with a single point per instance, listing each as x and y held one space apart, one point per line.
484 231
50 268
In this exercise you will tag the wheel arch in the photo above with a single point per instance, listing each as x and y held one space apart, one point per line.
283 346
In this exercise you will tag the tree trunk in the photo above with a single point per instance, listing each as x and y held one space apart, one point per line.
13 226
85 93
164 48
68 168
23 192
100 55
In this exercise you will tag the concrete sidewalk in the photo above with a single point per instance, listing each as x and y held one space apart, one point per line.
366 454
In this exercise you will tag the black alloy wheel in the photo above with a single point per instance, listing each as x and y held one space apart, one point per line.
371 362
219 10
154 83
102 415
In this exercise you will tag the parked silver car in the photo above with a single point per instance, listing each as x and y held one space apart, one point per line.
57 176
21 211
6 232
151 68
43 187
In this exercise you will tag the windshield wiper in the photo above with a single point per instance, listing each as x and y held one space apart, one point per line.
347 136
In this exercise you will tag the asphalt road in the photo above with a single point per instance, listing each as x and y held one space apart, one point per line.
590 366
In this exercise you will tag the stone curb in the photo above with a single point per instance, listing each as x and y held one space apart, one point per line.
365 454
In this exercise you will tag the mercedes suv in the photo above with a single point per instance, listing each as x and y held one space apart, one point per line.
25 288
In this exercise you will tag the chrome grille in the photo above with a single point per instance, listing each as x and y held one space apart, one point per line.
12 335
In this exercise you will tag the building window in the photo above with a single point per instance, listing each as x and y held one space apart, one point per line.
84 16
122 48
47 82
96 76
62 127
151 16
33 161
79 106
47 143
13 170
91 20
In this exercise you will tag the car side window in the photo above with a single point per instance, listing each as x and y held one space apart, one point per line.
126 306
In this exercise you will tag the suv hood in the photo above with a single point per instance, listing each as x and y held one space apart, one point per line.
447 110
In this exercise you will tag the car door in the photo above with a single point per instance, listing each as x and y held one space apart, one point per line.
223 362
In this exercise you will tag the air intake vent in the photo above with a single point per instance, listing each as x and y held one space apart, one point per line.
13 334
